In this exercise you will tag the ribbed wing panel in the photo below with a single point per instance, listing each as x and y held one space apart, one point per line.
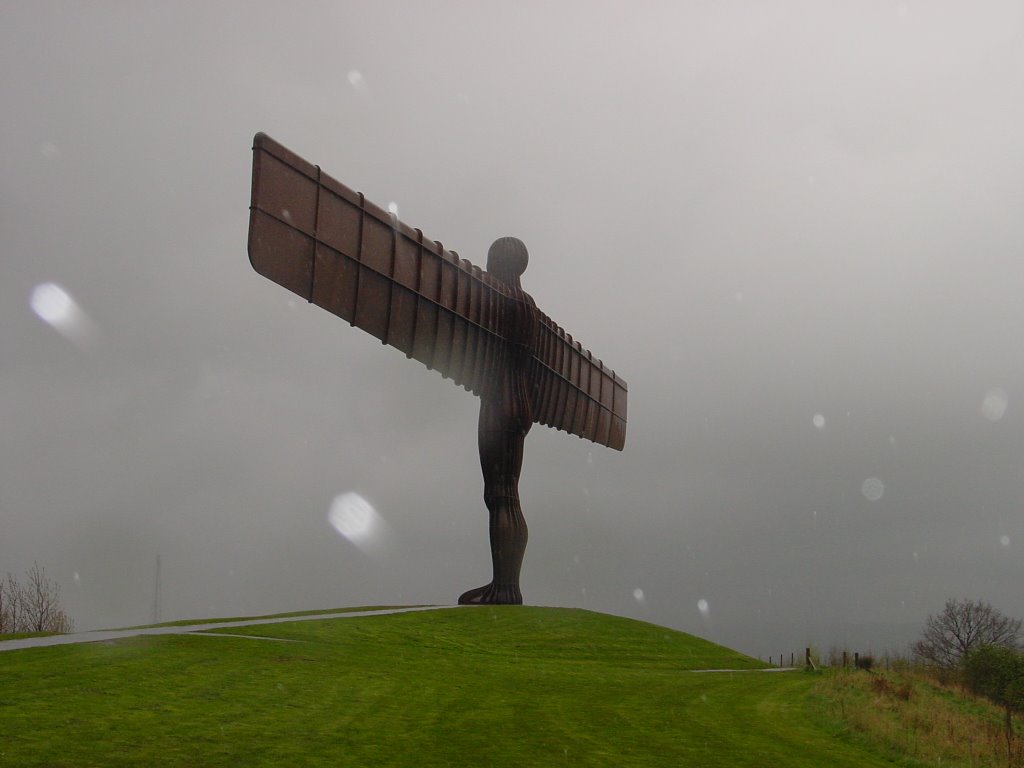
319 239
573 391
316 237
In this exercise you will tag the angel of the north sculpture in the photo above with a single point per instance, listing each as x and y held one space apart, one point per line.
318 238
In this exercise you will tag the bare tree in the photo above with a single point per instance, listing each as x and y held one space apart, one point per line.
5 610
961 626
42 603
33 606
11 604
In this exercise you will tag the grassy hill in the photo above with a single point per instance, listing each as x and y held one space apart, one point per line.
502 686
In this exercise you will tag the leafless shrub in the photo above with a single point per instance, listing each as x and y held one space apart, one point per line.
10 604
880 685
883 686
33 606
865 662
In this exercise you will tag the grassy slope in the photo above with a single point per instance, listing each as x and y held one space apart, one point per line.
910 713
318 612
487 686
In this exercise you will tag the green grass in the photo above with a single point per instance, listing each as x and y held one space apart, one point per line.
508 686
23 635
290 614
912 713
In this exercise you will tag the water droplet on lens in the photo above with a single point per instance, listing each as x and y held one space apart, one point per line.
818 421
55 307
993 407
356 79
873 489
355 518
51 303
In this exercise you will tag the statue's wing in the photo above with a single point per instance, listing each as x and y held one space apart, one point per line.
574 391
331 246
319 239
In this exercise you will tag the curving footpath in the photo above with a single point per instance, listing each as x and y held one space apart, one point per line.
103 635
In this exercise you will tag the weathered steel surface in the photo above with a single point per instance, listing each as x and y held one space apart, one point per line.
319 239
316 237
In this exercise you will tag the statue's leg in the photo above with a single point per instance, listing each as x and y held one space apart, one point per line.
501 459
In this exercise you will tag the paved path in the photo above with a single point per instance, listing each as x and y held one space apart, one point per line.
103 635
767 669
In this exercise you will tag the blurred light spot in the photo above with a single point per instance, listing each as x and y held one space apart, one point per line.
818 421
55 307
393 208
873 489
575 559
354 518
48 149
52 303
892 440
356 79
702 606
79 578
739 296
286 214
994 405
590 457
638 595
1005 541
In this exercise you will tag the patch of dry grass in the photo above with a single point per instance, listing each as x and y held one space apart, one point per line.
912 714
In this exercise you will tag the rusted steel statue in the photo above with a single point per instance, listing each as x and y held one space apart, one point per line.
319 239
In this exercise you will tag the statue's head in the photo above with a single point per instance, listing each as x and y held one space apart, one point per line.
507 258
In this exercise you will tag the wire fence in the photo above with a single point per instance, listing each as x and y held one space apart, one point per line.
810 658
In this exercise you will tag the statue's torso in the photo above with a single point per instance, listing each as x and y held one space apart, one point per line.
505 402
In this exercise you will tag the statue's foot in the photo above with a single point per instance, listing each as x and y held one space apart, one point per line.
493 594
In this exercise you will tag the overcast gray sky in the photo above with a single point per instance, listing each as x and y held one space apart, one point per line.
794 228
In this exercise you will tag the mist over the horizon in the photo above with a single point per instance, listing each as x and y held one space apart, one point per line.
794 229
